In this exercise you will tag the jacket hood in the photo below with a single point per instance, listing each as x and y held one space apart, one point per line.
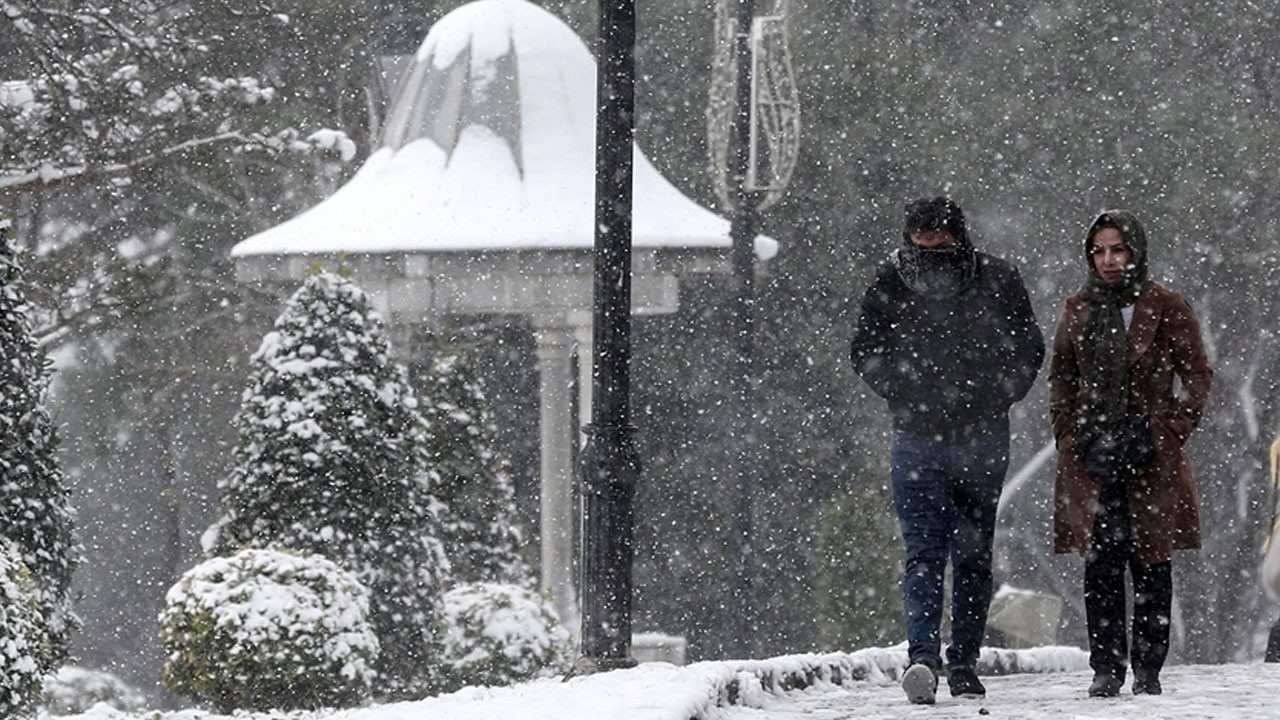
942 272
935 213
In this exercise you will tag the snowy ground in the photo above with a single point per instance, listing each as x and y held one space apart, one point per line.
1049 683
1192 692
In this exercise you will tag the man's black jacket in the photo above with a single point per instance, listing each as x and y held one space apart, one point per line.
949 368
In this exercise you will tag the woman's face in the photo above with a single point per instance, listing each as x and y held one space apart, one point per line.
1110 254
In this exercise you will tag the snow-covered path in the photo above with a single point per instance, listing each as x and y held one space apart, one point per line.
1192 692
1050 685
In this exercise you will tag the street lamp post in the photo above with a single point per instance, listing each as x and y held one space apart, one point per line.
753 129
740 636
610 465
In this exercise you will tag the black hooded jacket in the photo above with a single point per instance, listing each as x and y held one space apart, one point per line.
950 367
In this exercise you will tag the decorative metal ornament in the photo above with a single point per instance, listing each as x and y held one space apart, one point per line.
775 106
775 109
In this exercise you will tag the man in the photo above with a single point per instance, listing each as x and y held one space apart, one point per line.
947 337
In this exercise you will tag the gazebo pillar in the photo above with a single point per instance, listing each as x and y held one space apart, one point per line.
554 339
581 322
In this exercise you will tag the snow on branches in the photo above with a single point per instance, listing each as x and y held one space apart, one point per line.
117 86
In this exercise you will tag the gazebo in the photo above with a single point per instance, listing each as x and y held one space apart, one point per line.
480 200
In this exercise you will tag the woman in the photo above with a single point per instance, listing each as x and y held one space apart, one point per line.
1270 571
1123 493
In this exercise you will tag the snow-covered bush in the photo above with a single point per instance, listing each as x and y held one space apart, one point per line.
265 629
330 460
73 690
501 634
478 524
23 641
34 510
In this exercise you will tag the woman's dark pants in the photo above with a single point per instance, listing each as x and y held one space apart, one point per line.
1104 593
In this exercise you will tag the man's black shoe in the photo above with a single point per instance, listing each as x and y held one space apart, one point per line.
1146 682
963 682
920 683
1105 685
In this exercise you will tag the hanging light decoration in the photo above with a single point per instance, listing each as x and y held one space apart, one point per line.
775 106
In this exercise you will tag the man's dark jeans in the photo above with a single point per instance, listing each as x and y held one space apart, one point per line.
946 497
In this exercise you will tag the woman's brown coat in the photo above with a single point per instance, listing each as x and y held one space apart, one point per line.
1163 340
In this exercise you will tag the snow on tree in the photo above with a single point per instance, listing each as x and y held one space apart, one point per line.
264 630
74 690
330 461
501 634
478 522
23 640
34 510
139 140
123 85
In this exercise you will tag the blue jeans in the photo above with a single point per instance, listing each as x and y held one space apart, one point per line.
946 498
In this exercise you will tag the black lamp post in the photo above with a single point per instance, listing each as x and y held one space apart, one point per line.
610 464
742 613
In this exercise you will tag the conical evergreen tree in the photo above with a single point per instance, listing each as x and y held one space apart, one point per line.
478 522
330 461
34 510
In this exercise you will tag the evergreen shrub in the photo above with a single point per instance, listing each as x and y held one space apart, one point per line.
74 690
478 524
266 629
35 511
330 460
501 634
24 644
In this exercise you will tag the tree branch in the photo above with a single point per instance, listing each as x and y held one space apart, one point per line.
50 178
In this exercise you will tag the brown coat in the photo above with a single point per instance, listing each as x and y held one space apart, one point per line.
1163 340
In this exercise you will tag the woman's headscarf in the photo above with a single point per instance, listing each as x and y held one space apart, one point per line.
1106 401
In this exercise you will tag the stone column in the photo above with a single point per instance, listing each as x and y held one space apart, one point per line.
554 339
581 322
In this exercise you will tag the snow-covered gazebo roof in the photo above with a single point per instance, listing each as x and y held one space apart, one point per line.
490 146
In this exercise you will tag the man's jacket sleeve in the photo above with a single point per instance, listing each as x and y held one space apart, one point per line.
874 343
1028 341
